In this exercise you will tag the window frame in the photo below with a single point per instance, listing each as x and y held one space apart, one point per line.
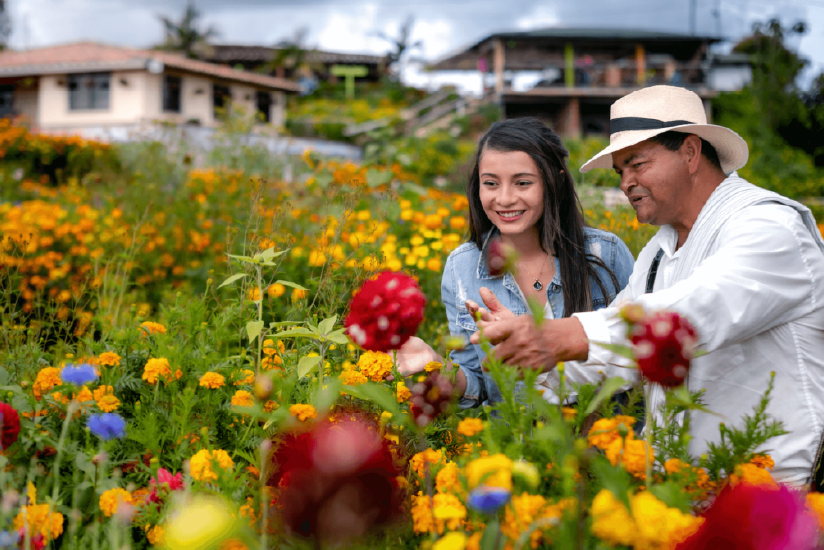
97 96
166 92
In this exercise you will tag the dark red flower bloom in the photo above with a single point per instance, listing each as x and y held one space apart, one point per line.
431 397
9 426
664 346
336 481
385 312
755 517
500 258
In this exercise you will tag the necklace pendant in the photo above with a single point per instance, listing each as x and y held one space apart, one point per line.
537 285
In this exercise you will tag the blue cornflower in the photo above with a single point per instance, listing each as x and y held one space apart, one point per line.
107 426
9 539
488 500
78 374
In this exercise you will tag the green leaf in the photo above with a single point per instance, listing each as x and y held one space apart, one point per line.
339 337
232 279
270 254
291 284
307 365
299 332
324 179
492 539
617 349
378 177
609 387
326 326
253 329
4 376
246 259
277 324
672 495
276 417
613 478
327 395
375 393
414 187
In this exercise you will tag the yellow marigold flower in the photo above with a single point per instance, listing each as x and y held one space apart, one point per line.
109 359
153 328
156 535
39 518
298 294
112 499
658 526
474 541
750 474
492 471
270 406
611 521
605 431
763 461
451 541
352 378
569 413
243 398
448 479
157 368
632 454
303 412
815 502
108 403
276 290
212 380
436 514
248 378
403 393
269 347
418 461
519 515
84 395
248 510
375 365
432 366
470 426
47 378
200 465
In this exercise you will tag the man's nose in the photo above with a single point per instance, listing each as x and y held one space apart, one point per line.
627 182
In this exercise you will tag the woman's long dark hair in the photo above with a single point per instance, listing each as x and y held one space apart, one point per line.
561 227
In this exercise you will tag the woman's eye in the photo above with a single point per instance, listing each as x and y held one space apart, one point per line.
489 182
524 182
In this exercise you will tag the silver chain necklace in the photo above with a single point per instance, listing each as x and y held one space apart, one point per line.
537 284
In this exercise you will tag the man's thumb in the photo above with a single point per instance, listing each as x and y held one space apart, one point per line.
490 300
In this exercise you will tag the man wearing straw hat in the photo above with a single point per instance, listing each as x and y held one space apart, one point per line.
745 265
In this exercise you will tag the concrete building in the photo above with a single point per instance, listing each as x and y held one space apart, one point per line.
85 87
579 73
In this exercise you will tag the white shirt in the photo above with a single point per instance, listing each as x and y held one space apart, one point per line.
757 302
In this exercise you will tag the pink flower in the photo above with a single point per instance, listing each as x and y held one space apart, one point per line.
167 482
385 312
664 346
500 258
755 517
430 398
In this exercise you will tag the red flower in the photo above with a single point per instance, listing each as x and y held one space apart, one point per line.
385 312
664 346
430 398
755 517
165 480
500 258
336 481
9 426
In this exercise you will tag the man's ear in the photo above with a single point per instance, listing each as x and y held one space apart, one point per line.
691 149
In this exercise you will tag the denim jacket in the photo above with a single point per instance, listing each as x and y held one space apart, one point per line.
466 272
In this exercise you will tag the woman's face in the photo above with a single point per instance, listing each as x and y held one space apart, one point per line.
511 191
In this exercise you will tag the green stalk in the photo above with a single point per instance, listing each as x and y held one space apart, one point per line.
259 273
72 408
648 450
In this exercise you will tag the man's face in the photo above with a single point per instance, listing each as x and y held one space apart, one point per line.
655 180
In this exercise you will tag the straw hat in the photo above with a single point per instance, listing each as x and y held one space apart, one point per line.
658 109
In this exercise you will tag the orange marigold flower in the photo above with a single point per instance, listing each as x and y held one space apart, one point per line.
152 328
403 393
157 368
47 378
112 499
212 380
606 430
200 465
109 359
470 426
303 412
763 461
243 398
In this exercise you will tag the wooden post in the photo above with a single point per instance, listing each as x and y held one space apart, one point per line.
569 65
499 61
641 64
571 119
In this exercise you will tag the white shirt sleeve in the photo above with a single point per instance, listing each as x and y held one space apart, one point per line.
763 273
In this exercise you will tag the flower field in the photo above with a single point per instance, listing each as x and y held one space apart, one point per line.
197 357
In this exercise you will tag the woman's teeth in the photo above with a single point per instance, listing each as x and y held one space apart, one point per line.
511 214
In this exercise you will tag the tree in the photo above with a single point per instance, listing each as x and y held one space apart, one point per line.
186 35
400 44
775 69
5 25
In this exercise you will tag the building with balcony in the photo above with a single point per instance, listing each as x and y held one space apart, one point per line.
581 72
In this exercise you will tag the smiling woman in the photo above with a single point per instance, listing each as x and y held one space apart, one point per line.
521 192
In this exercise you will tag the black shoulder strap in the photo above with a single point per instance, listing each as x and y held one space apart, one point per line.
817 475
653 270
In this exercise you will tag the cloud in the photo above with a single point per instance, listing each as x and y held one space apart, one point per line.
540 16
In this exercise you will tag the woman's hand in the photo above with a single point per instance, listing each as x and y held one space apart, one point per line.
414 355
496 311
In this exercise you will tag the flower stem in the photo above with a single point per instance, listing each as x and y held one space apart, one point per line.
72 408
649 447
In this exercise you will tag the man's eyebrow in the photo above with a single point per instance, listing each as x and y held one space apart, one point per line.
627 160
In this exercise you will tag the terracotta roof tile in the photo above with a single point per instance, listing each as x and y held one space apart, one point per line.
91 56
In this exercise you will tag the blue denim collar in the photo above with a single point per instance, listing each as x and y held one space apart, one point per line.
509 280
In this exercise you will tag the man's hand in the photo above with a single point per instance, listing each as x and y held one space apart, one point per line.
414 355
496 311
519 342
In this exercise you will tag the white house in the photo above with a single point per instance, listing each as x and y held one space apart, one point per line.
82 87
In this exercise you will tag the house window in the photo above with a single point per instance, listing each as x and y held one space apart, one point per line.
221 96
171 93
264 106
6 100
89 91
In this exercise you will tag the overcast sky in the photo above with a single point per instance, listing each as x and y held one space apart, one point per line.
443 25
